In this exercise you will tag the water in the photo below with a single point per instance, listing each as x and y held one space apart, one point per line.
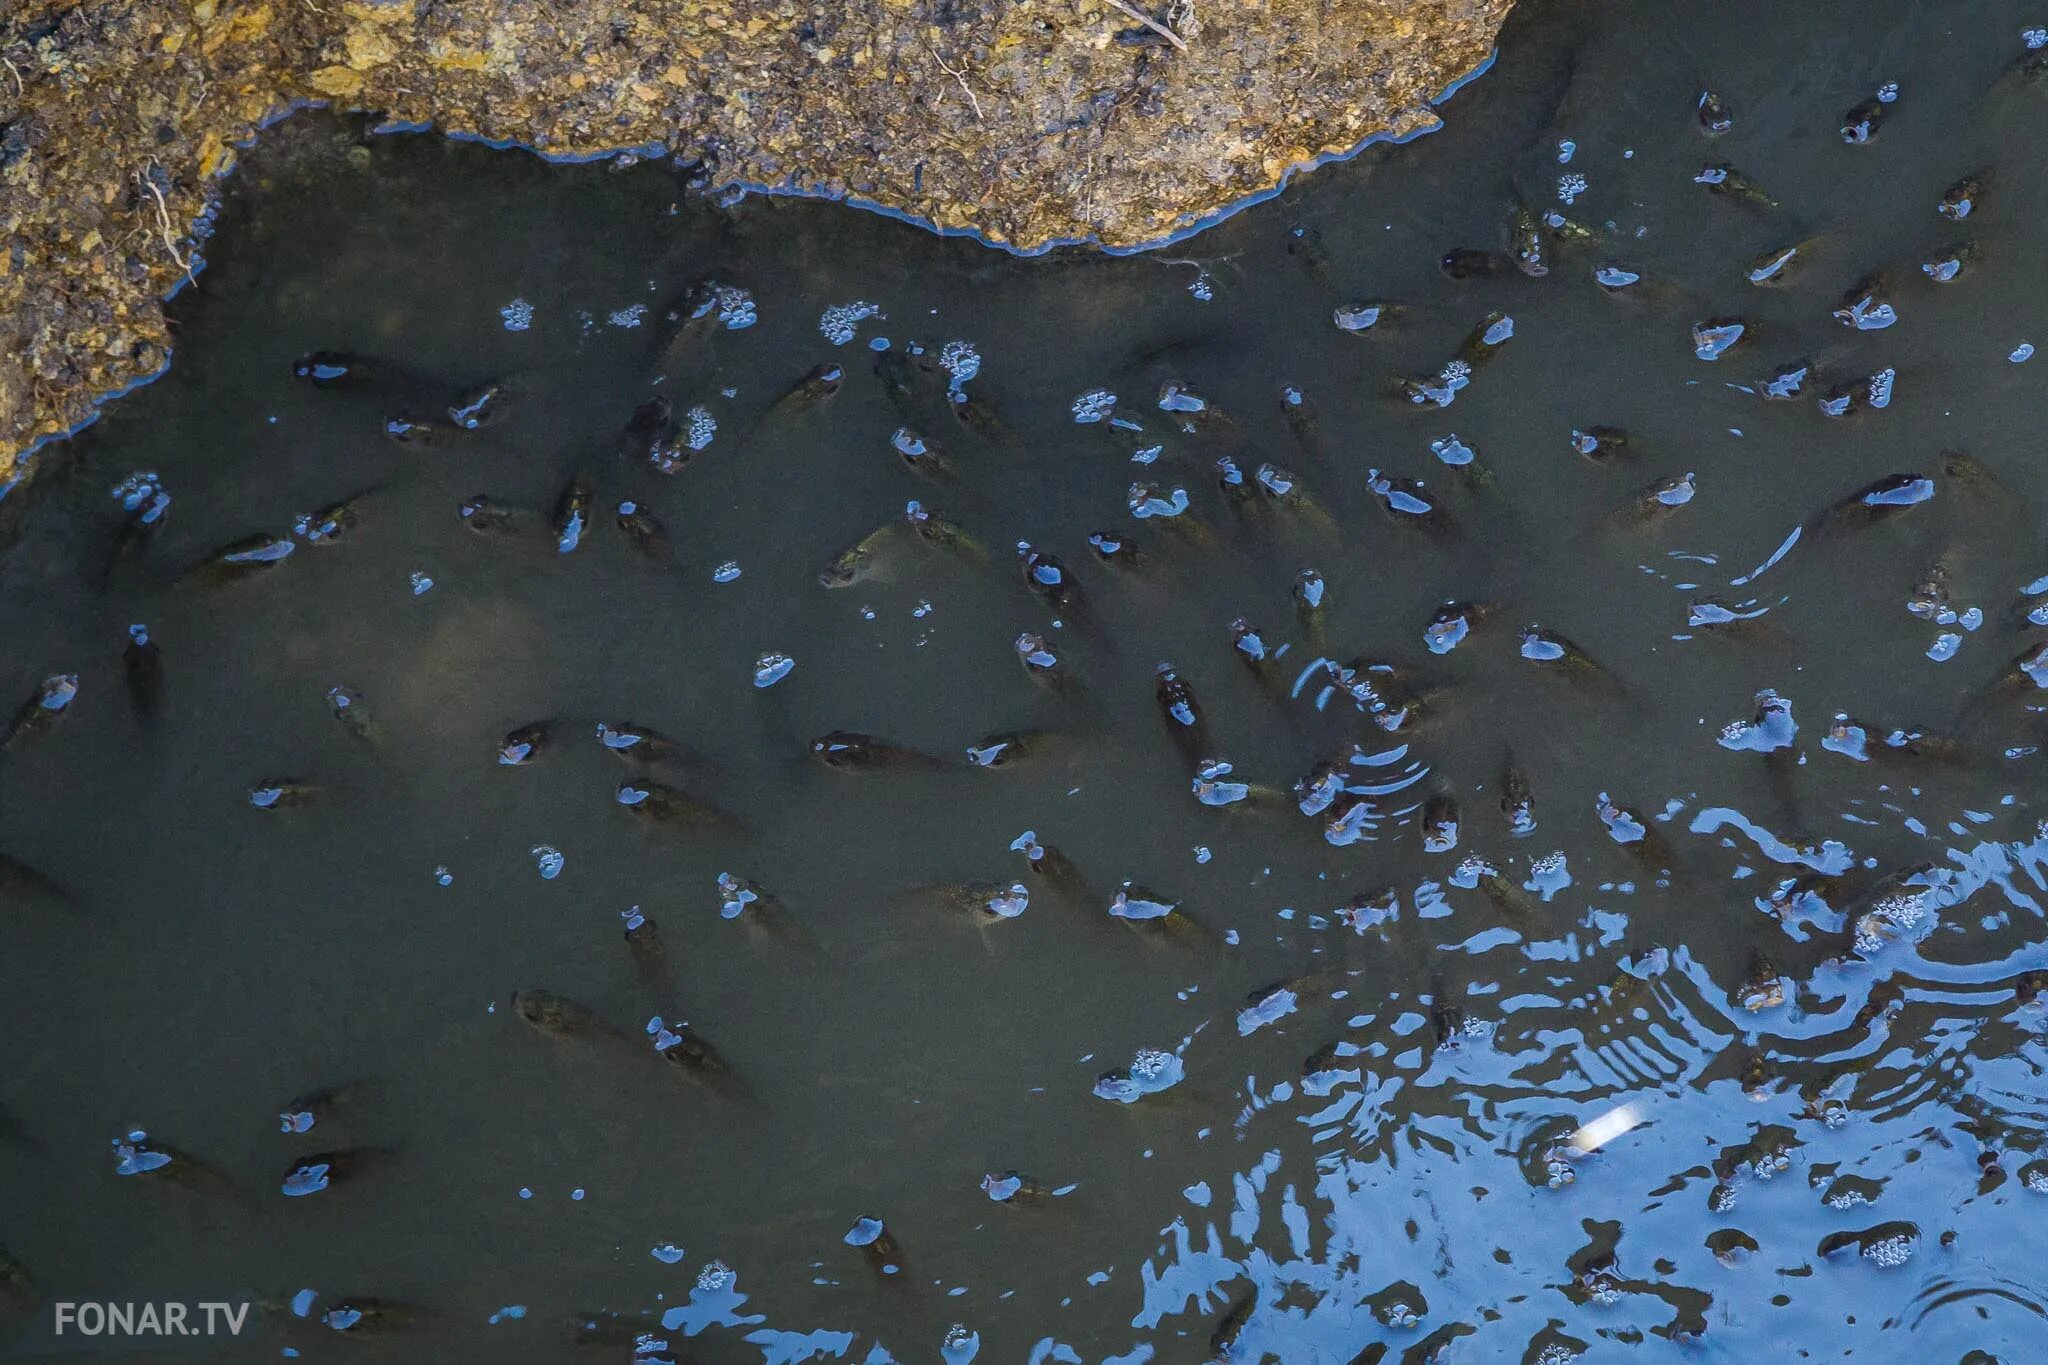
1862 1154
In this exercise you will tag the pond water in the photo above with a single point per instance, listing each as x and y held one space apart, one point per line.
1738 1047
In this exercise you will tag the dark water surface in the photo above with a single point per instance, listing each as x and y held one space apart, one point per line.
1805 986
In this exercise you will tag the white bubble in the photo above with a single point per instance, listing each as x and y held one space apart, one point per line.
518 315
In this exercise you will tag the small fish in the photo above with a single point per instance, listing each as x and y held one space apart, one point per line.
1223 1340
1867 306
1469 263
653 434
683 1048
1505 893
643 530
329 369
1008 748
45 707
244 558
848 751
559 1017
1177 706
1439 823
332 522
1863 120
1712 115
1014 1189
356 720
1722 179
1309 592
1779 265
572 516
1053 867
920 456
1528 246
1961 199
1047 578
1547 647
474 407
303 1113
21 883
319 1172
1600 444
1517 802
1451 623
819 382
281 793
878 1248
637 743
1875 501
1408 503
665 805
358 1315
485 515
18 1289
525 744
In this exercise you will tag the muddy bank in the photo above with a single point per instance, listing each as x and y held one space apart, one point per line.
1029 123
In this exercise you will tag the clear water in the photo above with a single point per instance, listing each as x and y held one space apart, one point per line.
214 960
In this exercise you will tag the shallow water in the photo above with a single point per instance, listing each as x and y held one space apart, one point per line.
214 960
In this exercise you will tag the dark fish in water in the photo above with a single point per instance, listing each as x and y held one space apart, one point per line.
304 1113
920 456
1855 739
1309 592
1047 578
137 1154
572 516
483 514
1861 123
1469 263
1552 650
1178 708
477 406
1723 179
1451 624
643 530
319 1172
21 883
525 744
1008 748
1527 243
281 793
638 743
650 434
559 1017
329 369
328 525
356 720
1148 912
1961 199
683 1048
1779 265
665 805
1517 802
1439 824
878 1247
1504 891
1041 662
51 700
818 383
244 558
1223 1340
1600 444
1408 503
1712 115
358 1315
1875 501
1867 305
848 751
985 903
1305 245
643 940
761 912
1053 867
18 1290
1014 1189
